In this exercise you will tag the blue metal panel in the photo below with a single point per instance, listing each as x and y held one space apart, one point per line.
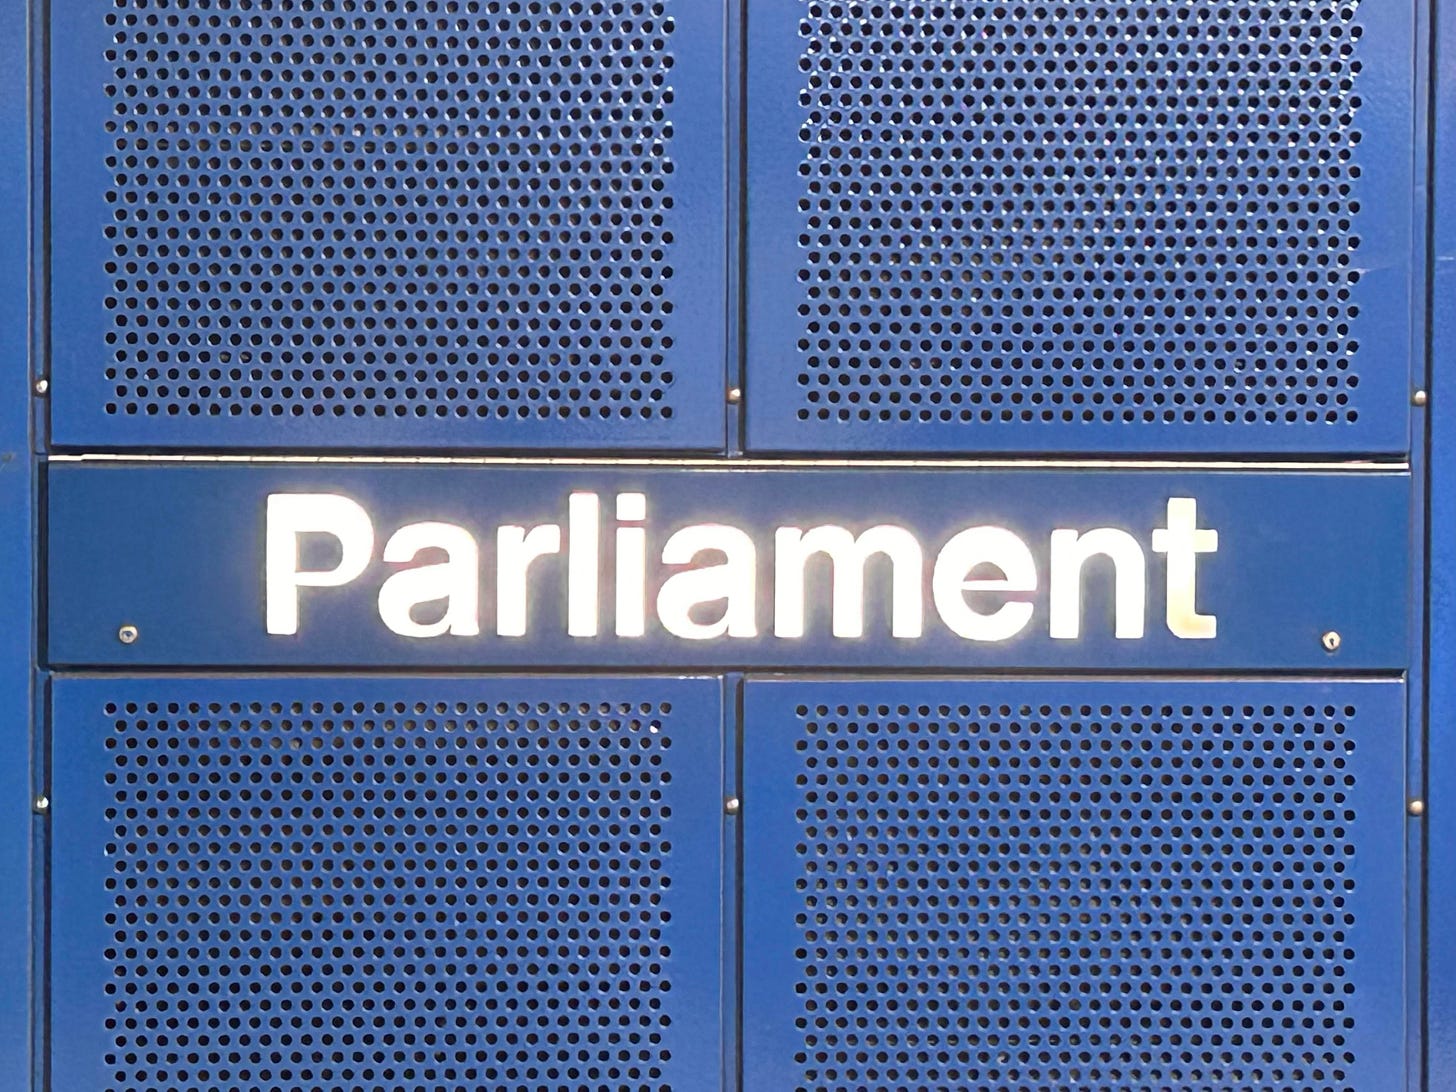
1439 790
1111 885
17 553
386 883
412 226
975 227
178 552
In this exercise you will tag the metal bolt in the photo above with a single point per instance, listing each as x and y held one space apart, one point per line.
128 634
731 805
42 804
1419 398
1331 641
41 386
735 395
1416 807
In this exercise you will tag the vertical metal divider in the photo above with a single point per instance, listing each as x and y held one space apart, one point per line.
731 922
1438 948
40 882
735 223
1420 381
735 149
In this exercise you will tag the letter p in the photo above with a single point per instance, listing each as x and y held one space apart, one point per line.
293 514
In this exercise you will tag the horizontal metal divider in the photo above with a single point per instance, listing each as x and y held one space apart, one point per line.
838 461
827 674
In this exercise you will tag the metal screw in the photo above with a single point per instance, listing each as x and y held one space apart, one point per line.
1419 398
41 386
731 805
127 634
1416 807
42 804
735 395
1331 641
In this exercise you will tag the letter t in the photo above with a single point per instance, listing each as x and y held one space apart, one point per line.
1182 541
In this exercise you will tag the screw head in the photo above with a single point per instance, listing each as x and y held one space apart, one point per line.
1419 398
1416 807
735 395
128 634
42 385
42 804
731 805
1331 641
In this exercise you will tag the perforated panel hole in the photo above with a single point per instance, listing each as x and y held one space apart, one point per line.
403 211
1108 897
1025 212
388 895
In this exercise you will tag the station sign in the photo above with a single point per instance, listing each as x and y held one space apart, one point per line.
760 566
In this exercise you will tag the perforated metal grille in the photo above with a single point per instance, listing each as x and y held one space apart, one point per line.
396 894
1103 896
404 212
1033 214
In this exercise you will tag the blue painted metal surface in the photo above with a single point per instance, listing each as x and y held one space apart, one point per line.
1440 766
18 547
411 227
981 228
387 883
1110 884
519 228
178 551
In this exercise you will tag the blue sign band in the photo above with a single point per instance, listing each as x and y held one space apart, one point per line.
762 567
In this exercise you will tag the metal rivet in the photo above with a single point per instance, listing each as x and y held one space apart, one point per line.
127 634
735 395
41 386
1416 807
1419 398
42 803
1330 640
731 805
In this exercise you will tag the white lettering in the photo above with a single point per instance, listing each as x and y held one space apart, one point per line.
583 533
290 515
1070 551
631 566
950 582
515 549
732 581
455 580
983 580
792 549
1182 541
